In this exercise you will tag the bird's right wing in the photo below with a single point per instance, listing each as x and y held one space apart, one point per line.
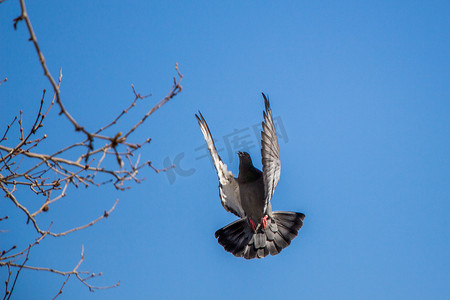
228 186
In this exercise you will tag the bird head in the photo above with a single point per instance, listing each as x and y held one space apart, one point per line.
244 158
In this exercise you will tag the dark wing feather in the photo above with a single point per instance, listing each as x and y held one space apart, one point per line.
270 152
228 186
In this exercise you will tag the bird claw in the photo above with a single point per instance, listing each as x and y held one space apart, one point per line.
264 222
252 224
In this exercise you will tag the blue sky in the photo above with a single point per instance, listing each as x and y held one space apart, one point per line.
363 93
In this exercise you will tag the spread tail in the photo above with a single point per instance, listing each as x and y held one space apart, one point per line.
241 240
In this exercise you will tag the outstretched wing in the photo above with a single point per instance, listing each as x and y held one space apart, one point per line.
270 153
228 186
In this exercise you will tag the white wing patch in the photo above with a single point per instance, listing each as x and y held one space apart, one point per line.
270 153
228 186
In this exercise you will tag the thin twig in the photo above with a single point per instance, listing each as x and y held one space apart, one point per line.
7 129
18 272
60 290
176 88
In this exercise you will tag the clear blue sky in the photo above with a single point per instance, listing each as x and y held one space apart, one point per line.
362 89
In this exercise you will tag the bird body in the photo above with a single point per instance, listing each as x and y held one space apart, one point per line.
259 231
251 188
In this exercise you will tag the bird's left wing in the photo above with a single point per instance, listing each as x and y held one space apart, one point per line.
228 186
270 153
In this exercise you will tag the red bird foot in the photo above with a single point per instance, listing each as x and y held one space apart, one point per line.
252 224
264 221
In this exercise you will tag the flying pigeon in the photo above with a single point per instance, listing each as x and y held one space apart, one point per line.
259 231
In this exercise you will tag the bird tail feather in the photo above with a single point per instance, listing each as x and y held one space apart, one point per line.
241 240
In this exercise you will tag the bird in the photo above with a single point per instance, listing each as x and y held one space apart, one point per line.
259 231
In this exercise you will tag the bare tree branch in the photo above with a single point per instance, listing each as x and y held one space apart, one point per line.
82 276
97 158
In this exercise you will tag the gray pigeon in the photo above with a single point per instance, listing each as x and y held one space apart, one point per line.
259 231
